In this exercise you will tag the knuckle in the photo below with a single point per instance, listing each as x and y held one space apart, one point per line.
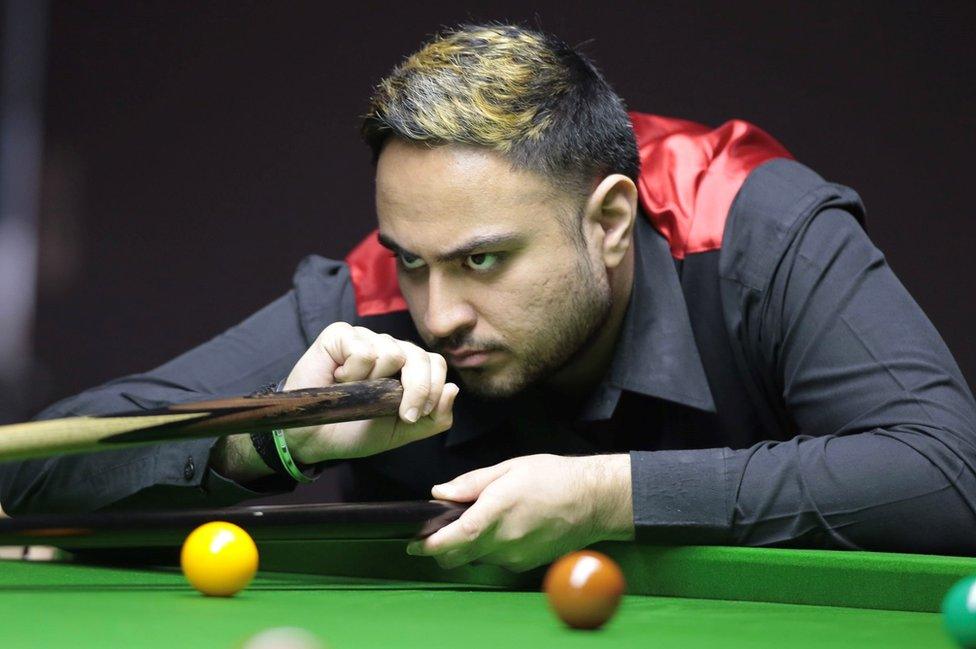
442 562
369 355
364 352
419 385
445 421
361 362
335 327
411 349
513 537
470 530
334 332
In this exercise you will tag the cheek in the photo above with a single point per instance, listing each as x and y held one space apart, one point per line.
527 310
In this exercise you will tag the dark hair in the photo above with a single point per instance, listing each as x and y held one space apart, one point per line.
526 94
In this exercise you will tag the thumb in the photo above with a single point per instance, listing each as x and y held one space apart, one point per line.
468 486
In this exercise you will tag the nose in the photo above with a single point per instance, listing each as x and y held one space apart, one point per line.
448 310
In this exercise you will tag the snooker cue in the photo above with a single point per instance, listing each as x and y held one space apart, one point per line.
305 522
212 418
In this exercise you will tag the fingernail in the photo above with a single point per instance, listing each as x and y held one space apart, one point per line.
443 491
412 415
428 408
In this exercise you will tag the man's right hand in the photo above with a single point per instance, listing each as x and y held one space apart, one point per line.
344 353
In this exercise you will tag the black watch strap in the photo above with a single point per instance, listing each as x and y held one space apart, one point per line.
264 446
263 441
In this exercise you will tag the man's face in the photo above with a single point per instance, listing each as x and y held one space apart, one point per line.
493 275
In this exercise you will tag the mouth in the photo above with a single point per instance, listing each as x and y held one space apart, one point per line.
467 358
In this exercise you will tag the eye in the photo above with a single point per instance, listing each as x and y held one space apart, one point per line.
410 262
482 261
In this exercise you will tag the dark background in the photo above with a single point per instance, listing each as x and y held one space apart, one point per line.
196 151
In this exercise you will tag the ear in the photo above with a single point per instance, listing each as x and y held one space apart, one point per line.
609 217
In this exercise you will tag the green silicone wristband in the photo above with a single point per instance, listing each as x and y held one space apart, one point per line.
281 445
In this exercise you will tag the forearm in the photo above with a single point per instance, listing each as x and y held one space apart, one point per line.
77 483
902 489
683 497
173 474
894 490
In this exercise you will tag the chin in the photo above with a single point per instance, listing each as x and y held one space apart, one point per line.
491 385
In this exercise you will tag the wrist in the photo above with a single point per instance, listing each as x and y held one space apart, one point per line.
233 457
613 511
301 441
305 446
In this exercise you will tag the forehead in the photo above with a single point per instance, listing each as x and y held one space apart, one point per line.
457 189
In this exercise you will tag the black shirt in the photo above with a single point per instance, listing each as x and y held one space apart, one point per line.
781 390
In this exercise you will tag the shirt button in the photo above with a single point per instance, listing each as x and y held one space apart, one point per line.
188 469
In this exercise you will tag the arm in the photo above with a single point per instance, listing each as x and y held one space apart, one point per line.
887 446
273 343
261 349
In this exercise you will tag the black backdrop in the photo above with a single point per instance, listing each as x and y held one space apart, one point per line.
196 151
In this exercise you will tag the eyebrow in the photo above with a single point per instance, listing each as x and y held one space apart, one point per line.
459 252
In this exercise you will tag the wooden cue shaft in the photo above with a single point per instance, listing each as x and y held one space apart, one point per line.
213 418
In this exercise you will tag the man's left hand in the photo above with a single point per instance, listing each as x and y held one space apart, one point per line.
530 510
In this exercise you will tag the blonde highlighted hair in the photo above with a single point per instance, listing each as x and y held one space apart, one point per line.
522 93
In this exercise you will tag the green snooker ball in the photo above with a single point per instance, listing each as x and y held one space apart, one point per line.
959 612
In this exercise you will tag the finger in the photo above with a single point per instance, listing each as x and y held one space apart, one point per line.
414 548
390 357
415 377
457 558
451 558
471 528
438 374
515 562
468 486
316 368
357 354
400 432
442 416
441 419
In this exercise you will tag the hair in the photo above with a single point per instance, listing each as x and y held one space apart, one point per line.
525 94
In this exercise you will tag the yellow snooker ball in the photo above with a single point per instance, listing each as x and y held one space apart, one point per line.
219 559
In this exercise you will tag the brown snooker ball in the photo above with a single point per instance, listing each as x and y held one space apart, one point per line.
584 588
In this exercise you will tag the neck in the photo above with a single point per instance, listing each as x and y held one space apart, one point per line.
586 370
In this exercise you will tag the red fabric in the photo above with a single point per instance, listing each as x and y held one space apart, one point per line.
690 175
374 278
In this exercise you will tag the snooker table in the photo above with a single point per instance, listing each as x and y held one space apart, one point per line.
356 587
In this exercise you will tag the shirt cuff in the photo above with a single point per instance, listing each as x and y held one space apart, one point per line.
222 490
682 497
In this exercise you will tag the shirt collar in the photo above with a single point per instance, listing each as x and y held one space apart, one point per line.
655 355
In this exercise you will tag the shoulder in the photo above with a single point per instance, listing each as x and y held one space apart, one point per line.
330 290
323 294
773 207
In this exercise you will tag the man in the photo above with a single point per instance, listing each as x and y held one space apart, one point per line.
660 331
